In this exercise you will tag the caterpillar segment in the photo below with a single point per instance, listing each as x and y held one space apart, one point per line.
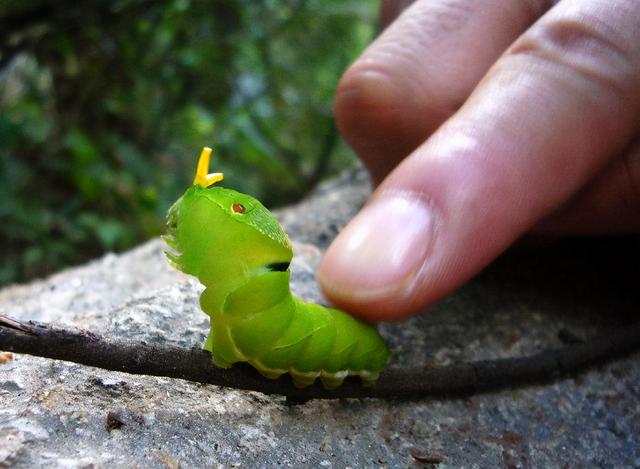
317 342
241 255
305 340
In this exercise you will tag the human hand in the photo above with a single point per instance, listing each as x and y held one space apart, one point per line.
502 116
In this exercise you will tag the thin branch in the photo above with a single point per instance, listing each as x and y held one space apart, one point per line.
15 325
128 356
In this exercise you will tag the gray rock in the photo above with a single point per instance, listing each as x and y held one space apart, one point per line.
59 414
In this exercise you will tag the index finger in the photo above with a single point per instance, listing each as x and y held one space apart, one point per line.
550 113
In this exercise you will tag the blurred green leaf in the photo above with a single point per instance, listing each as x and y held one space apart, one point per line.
104 107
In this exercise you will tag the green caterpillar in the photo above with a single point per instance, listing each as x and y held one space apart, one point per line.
240 253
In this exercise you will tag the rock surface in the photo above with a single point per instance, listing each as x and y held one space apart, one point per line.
59 414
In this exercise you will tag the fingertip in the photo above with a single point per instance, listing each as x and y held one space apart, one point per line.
372 267
385 308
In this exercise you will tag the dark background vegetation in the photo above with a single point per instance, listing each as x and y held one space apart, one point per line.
105 105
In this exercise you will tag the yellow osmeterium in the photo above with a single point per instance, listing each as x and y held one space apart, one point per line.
203 177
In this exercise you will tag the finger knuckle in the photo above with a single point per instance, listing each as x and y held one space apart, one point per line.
373 101
363 95
585 49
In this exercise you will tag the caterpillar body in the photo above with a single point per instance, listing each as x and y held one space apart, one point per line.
240 253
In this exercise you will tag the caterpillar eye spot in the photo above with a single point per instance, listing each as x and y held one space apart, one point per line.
238 208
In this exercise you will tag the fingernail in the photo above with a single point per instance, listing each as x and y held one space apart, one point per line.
382 250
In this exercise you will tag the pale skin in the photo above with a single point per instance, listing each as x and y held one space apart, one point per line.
482 121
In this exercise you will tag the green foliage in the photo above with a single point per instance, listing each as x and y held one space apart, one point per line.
105 105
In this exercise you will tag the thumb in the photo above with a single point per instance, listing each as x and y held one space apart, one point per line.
552 111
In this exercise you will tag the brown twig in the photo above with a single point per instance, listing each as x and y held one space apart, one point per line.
13 324
128 356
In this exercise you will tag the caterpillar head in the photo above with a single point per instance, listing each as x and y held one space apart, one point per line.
216 231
